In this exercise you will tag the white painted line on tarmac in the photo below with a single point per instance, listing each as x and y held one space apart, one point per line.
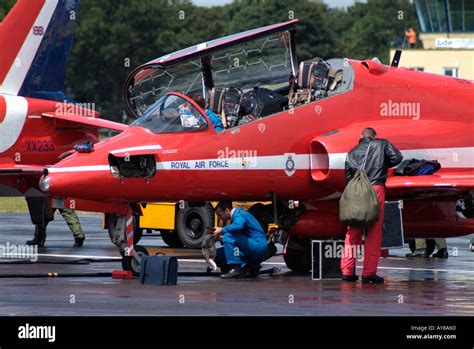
192 260
75 256
456 271
426 269
275 263
119 258
203 261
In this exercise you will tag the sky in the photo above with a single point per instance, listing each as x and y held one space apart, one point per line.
331 3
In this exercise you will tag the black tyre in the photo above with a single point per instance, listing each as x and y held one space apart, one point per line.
137 231
191 224
298 255
111 225
171 238
263 214
134 264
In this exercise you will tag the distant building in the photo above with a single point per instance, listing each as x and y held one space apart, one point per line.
446 40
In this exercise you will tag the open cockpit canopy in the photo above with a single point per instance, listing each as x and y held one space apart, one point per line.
263 57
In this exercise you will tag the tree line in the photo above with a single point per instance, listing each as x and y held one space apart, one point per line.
115 36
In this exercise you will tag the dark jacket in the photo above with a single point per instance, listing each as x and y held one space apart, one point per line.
382 155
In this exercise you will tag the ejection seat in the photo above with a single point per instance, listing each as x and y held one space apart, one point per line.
225 102
216 101
314 80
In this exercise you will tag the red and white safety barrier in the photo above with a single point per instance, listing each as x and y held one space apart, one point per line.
129 233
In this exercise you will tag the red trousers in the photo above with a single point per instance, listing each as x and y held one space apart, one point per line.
373 241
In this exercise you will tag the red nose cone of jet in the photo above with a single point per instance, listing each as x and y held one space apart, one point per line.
90 176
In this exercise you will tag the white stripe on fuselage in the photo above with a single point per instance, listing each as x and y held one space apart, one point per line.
462 157
448 157
145 147
12 125
17 73
79 169
272 162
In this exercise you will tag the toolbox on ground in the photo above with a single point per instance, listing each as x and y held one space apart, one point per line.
159 270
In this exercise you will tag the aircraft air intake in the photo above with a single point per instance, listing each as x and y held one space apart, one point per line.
134 166
326 164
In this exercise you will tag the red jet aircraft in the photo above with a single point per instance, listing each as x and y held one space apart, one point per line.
37 122
288 132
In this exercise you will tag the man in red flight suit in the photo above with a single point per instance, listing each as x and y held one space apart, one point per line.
381 156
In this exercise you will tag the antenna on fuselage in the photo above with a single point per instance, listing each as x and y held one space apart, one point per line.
396 58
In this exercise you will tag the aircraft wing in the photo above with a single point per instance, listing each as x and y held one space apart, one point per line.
446 179
91 121
449 142
10 169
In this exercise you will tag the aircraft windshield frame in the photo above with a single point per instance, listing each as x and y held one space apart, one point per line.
172 113
155 82
264 60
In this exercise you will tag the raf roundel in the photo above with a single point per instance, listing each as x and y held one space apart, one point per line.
290 166
3 109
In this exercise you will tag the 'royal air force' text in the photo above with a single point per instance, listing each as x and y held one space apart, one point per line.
209 164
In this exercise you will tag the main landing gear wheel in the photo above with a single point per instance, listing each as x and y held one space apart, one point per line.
191 224
171 238
133 263
298 255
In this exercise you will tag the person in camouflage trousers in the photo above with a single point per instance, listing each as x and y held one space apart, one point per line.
72 220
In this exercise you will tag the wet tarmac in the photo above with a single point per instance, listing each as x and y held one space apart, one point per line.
413 286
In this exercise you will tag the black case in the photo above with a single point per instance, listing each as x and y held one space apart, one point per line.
326 267
159 270
392 231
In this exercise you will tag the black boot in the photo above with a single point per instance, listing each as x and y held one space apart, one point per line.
39 239
253 270
78 241
372 279
422 253
235 272
442 253
350 278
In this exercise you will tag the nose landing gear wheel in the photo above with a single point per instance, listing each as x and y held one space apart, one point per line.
137 231
133 263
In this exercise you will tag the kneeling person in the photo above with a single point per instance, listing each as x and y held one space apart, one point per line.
245 242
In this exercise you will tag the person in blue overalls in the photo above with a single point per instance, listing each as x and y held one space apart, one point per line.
245 242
